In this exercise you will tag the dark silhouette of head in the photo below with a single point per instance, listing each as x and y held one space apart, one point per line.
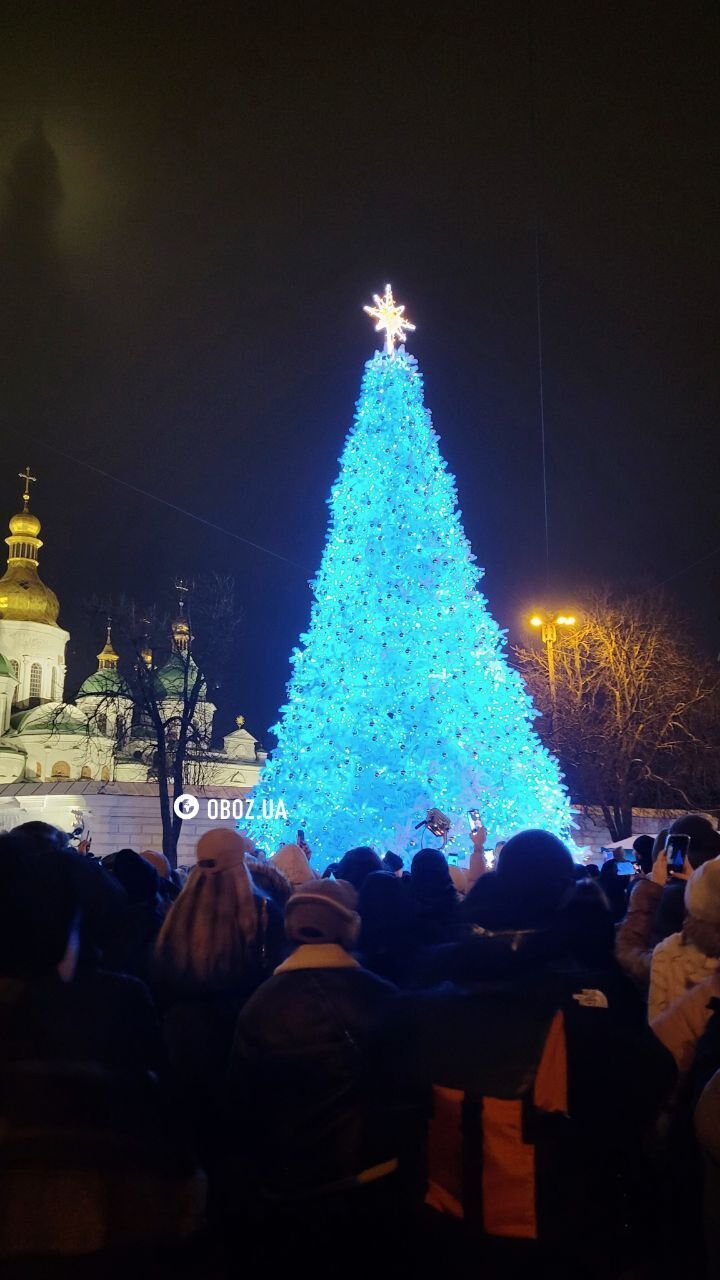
38 906
357 865
535 872
138 878
430 878
42 835
704 839
643 848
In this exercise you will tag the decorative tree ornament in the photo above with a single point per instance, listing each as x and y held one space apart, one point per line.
389 318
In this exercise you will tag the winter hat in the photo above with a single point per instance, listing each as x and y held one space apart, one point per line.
702 893
534 872
293 863
323 911
222 849
158 861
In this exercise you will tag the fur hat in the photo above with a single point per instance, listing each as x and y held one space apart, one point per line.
702 893
323 911
221 849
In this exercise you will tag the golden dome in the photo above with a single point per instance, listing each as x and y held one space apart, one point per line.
24 524
24 598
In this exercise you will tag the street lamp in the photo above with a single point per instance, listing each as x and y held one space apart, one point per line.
547 624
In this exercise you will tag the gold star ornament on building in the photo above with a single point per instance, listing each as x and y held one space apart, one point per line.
389 317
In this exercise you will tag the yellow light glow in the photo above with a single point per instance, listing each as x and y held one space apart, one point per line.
389 317
565 621
535 621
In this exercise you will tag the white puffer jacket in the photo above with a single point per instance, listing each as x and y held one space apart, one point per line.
676 966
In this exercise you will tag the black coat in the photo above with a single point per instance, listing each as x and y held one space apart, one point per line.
306 1097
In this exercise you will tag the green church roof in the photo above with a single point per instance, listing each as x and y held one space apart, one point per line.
5 668
170 679
104 683
47 718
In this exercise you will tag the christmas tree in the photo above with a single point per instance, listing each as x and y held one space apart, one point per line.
401 697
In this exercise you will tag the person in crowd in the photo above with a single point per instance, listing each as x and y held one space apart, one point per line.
50 1008
357 864
101 897
388 937
292 861
393 863
435 899
220 939
131 942
704 845
688 957
615 888
529 1043
643 847
658 900
91 1156
308 1096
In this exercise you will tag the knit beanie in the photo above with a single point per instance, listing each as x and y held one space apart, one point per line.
323 911
702 893
222 849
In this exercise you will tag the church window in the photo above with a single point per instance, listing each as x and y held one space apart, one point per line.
54 686
105 774
102 723
60 769
15 668
35 680
86 771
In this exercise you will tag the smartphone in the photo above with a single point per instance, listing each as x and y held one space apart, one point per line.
677 848
625 868
452 859
474 819
301 837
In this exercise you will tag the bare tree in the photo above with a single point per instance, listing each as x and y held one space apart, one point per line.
633 720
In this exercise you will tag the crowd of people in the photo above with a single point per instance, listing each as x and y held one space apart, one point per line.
252 1065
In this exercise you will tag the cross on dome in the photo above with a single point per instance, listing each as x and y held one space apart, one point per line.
28 480
389 316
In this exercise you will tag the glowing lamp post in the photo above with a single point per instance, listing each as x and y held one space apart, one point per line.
547 624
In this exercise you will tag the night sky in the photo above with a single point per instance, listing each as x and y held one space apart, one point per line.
224 186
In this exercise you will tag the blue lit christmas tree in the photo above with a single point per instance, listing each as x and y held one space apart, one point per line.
401 697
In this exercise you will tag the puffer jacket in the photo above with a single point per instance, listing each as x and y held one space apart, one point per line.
305 1094
676 967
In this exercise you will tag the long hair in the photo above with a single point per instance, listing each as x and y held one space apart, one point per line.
210 931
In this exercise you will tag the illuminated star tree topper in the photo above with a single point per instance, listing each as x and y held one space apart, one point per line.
389 317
